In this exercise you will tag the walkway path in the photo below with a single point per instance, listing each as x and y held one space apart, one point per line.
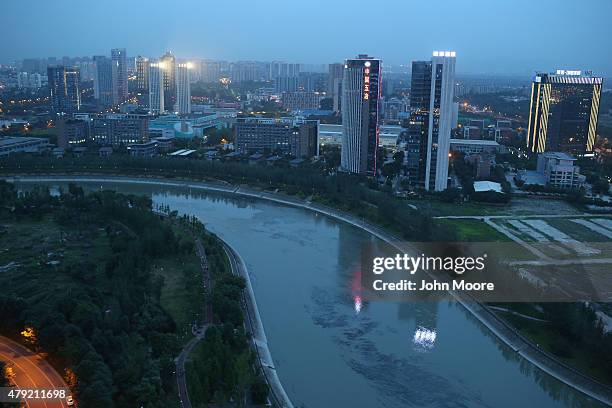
200 332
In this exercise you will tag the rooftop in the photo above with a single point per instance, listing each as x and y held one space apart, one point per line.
9 140
475 142
559 156
482 186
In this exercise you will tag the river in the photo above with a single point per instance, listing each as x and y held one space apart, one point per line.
332 349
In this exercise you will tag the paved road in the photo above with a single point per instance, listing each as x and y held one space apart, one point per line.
519 217
181 378
31 371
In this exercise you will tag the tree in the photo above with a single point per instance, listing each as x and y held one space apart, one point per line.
601 186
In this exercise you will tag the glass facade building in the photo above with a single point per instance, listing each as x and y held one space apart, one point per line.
431 121
64 89
563 112
120 75
103 81
360 108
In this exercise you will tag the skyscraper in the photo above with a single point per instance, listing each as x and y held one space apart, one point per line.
563 112
334 85
360 96
64 88
103 81
211 71
156 87
142 74
120 75
169 74
287 77
431 104
183 88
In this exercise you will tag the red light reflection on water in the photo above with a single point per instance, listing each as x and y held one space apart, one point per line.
356 290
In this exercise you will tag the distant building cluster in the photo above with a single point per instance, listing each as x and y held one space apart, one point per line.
145 103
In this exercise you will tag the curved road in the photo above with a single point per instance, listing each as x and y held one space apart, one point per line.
32 371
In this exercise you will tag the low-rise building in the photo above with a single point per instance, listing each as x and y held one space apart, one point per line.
554 169
10 144
105 151
71 132
559 170
164 143
147 149
117 129
329 134
469 146
296 136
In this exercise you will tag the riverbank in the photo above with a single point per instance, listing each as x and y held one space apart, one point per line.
260 341
509 336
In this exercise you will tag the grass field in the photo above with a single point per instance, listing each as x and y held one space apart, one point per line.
473 231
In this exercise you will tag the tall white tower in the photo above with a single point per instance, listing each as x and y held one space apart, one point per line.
119 75
156 87
183 88
442 89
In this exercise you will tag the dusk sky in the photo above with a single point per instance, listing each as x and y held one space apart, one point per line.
518 36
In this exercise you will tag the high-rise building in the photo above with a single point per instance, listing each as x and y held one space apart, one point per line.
432 106
64 88
286 77
169 75
563 112
243 71
183 88
156 87
211 71
142 74
334 85
103 81
29 80
120 75
301 100
360 97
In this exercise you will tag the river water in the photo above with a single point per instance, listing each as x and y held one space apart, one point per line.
332 349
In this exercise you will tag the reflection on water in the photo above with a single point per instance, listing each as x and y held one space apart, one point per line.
332 347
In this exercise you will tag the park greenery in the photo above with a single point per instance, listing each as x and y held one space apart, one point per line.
571 331
358 195
223 366
84 278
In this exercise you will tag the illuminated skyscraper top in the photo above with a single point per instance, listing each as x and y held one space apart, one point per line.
563 112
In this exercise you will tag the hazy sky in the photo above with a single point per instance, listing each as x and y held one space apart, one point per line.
505 36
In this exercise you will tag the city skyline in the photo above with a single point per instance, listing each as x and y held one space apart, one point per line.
488 39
